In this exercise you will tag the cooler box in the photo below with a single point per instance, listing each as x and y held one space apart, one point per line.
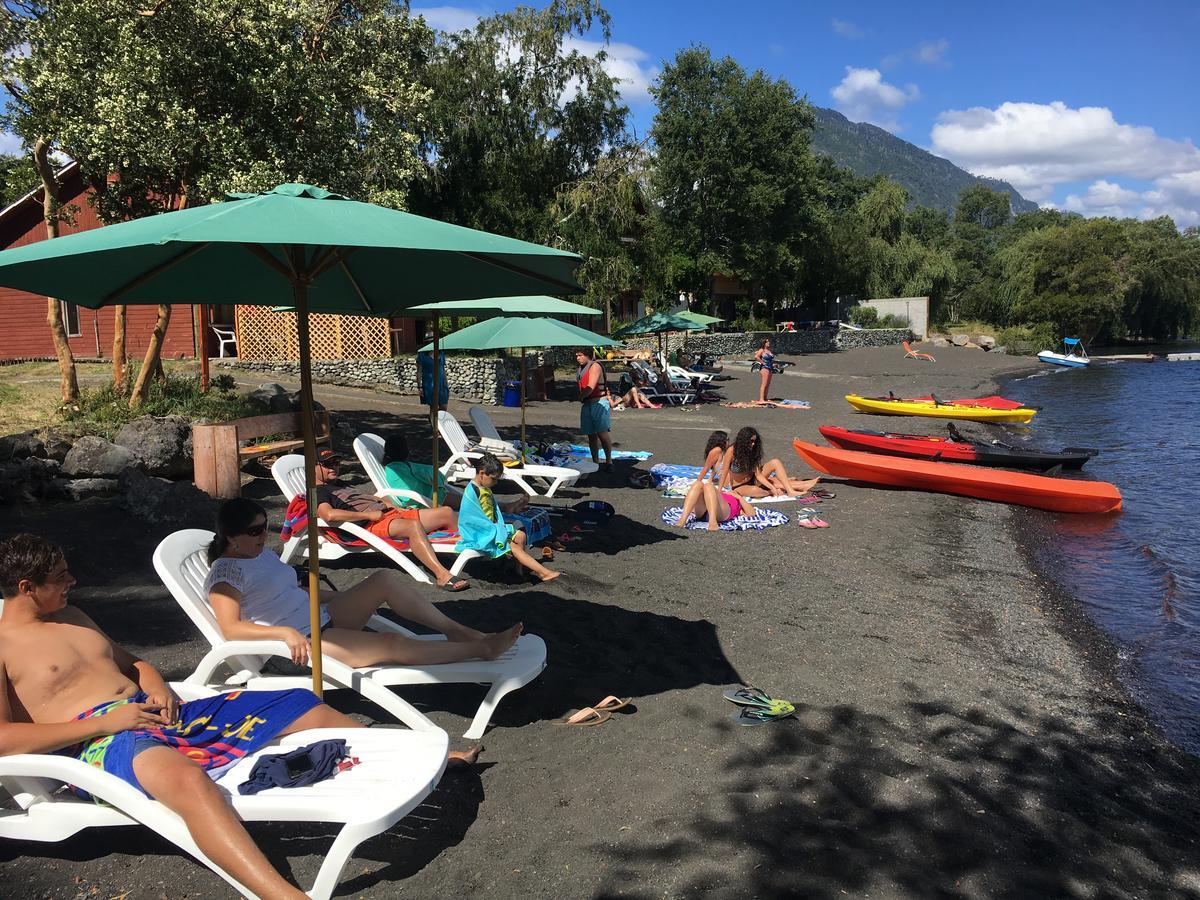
535 522
512 393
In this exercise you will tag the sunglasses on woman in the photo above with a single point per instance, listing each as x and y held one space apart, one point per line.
257 530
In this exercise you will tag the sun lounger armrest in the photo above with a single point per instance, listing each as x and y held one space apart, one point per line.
227 650
462 457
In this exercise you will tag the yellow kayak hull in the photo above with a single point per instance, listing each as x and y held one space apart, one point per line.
939 410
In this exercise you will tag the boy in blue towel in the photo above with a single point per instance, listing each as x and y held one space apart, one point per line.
481 521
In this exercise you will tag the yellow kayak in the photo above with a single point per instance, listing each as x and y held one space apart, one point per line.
932 409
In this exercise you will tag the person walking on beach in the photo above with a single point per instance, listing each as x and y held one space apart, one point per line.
595 419
766 358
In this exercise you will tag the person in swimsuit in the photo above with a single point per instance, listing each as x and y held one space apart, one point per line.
67 688
704 499
714 455
255 596
634 399
766 359
744 473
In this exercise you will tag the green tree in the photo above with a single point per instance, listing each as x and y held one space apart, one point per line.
982 206
515 115
980 222
18 176
1162 300
734 177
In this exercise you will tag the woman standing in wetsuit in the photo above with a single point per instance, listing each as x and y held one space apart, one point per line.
766 359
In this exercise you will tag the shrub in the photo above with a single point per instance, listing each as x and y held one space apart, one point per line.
1038 337
864 316
891 321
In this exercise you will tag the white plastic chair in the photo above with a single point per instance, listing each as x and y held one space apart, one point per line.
458 467
369 450
288 472
651 389
486 428
182 565
679 374
398 770
225 337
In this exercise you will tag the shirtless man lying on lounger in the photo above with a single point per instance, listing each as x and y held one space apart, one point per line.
66 688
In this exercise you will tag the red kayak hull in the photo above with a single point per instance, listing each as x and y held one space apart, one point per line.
1038 491
911 445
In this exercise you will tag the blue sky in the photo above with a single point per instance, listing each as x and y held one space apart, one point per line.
1084 106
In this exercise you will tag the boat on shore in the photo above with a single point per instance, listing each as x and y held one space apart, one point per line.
936 409
1038 491
956 448
1075 358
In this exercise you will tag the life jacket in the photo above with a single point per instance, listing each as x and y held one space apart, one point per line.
601 388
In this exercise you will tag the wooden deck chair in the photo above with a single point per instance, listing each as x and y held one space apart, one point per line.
349 538
398 770
910 353
459 468
486 428
182 565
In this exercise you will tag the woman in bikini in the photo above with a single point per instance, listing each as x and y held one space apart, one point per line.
704 499
744 473
714 454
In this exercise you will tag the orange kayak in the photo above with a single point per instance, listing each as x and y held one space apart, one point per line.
1038 491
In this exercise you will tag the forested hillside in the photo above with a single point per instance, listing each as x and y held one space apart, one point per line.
929 180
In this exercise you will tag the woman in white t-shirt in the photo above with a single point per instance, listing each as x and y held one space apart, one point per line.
255 596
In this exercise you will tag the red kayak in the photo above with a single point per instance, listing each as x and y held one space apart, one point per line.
955 449
994 401
1038 491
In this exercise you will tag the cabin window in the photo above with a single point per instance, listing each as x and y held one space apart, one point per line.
70 317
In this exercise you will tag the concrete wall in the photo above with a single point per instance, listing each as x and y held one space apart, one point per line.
914 309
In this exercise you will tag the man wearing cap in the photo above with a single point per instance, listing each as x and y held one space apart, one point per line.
350 503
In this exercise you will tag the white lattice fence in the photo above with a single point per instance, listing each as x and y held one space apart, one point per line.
265 334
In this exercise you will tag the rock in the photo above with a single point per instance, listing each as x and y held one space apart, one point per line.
28 480
1001 350
971 345
22 446
959 340
986 341
92 456
282 403
265 393
940 342
83 488
159 501
162 445
58 443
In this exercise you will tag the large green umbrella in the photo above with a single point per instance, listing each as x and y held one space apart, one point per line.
660 324
505 331
296 245
699 318
536 306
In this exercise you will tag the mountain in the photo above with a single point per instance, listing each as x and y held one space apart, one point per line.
930 180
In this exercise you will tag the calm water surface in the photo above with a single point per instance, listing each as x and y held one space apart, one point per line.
1136 573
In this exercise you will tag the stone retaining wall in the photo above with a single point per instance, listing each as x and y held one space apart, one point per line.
848 339
478 380
745 343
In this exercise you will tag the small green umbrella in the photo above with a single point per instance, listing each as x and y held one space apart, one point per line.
522 333
699 318
296 245
658 323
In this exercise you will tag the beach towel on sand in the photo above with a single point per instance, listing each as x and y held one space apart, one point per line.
764 518
769 404
214 732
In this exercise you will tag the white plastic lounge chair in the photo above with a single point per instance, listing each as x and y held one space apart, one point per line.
486 428
369 450
289 476
181 564
398 770
679 373
652 391
458 467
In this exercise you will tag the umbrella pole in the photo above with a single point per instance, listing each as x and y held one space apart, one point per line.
300 289
435 408
522 402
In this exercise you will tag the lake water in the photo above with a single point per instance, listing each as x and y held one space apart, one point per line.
1136 573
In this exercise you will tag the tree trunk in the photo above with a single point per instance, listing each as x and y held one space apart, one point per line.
68 380
152 364
120 382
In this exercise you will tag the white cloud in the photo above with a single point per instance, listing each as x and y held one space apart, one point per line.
1035 146
624 61
926 53
863 96
11 144
845 29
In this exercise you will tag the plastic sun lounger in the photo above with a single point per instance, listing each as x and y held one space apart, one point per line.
398 770
653 393
910 353
289 476
679 373
459 468
181 564
486 428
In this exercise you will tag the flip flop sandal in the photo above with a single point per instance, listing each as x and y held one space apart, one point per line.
565 538
824 494
806 522
754 698
585 717
454 585
612 704
808 498
547 554
749 716
556 544
811 515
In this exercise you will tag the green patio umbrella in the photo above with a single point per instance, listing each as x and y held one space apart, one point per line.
699 318
296 245
536 306
660 324
522 333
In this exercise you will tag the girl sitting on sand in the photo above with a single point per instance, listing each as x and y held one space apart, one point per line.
481 521
744 473
714 455
704 499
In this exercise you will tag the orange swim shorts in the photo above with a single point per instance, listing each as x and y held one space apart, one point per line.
380 528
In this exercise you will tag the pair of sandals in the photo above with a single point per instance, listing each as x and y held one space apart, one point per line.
807 518
596 714
756 707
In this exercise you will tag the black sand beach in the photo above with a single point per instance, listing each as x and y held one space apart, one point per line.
959 730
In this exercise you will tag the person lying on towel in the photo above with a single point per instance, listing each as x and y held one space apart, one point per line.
66 688
481 521
405 475
337 502
254 596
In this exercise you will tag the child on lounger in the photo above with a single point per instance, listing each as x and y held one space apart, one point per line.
704 499
481 521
